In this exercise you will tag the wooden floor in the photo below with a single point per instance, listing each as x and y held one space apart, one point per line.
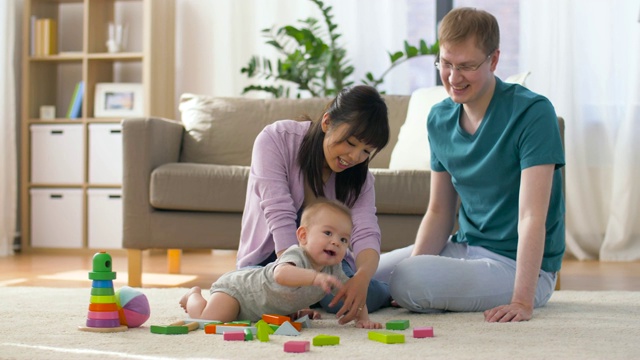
201 268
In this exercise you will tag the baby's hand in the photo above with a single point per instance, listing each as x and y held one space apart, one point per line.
368 324
326 282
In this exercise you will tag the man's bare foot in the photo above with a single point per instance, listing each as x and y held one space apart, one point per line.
185 297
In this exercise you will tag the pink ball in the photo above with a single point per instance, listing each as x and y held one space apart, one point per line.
133 306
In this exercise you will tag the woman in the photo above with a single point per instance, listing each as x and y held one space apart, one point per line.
295 162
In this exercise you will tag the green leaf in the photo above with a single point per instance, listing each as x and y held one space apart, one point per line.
395 56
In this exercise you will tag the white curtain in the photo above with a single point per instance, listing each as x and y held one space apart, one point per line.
8 172
215 39
585 55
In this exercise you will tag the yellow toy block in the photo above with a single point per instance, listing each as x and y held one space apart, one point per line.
322 340
386 337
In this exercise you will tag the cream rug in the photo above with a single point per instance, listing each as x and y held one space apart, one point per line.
41 323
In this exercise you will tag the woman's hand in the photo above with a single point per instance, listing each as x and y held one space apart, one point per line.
354 297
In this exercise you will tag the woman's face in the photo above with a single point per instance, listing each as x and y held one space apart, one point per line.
342 154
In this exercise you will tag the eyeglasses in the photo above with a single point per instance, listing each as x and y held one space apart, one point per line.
462 68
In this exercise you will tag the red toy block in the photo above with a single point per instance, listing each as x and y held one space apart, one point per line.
275 319
233 335
423 332
297 346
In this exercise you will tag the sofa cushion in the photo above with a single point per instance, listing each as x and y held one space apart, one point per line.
222 130
199 187
402 192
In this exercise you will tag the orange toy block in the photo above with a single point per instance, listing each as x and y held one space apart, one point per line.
275 319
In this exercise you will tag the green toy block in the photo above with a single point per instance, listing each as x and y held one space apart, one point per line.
248 335
397 325
386 337
244 322
262 331
322 340
267 327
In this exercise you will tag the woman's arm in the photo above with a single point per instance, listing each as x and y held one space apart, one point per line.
535 192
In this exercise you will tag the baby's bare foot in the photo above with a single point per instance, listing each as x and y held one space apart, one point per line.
185 297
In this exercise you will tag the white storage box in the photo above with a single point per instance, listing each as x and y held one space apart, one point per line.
105 153
57 154
56 218
105 218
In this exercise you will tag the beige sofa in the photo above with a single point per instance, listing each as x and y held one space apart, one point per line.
184 182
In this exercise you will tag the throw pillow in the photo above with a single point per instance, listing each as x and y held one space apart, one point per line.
412 149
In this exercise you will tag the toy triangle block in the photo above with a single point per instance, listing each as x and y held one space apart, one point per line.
287 329
305 321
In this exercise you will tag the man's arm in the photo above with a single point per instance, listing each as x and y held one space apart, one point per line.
535 194
438 221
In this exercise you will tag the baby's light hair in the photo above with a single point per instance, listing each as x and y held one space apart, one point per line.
310 211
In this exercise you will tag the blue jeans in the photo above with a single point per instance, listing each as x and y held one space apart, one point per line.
378 295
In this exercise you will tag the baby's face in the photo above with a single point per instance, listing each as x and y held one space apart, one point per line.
328 237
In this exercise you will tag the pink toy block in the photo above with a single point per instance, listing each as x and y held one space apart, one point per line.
423 332
296 346
233 335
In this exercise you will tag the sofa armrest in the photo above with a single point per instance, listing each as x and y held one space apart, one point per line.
146 143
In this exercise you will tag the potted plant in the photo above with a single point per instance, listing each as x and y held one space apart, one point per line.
313 60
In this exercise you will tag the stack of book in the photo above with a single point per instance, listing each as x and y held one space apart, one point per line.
44 36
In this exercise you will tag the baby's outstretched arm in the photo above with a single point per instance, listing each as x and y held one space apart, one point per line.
290 275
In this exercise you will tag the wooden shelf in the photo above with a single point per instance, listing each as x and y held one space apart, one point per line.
51 79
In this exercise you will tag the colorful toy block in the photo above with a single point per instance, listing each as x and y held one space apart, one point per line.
423 332
177 328
397 325
386 337
242 322
275 319
248 334
263 331
287 329
296 346
322 340
233 335
202 322
304 321
221 328
266 326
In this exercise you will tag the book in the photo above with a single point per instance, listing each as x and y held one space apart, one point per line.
32 36
50 37
46 37
75 105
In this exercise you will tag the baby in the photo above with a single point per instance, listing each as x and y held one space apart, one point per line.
299 278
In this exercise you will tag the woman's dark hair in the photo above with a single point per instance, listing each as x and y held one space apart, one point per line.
364 110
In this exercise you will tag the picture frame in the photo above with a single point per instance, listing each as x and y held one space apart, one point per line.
118 100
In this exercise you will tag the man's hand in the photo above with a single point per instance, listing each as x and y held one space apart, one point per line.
509 313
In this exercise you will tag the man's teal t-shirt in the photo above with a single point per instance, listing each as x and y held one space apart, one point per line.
519 130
